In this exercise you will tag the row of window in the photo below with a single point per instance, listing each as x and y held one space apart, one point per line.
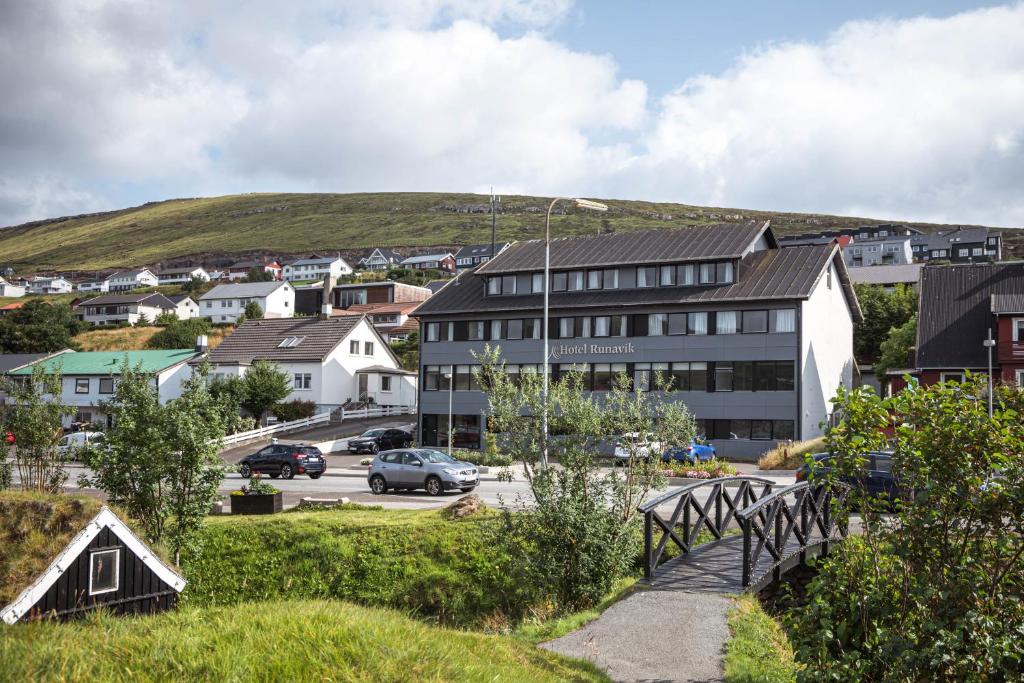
83 385
759 375
685 275
641 325
353 348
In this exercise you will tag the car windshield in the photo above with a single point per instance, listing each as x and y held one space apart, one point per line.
436 456
309 450
373 432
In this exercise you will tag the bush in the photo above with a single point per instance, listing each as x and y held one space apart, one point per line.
483 458
294 410
790 455
712 469
6 475
179 334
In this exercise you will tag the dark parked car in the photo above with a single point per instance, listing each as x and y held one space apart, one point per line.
380 439
284 460
692 454
876 477
421 468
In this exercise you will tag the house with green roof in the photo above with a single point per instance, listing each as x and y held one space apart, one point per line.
90 377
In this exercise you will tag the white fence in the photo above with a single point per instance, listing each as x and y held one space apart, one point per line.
322 418
378 411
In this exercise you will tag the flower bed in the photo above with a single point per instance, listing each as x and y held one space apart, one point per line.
711 469
258 498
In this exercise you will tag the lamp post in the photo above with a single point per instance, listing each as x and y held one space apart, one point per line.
583 204
988 344
450 376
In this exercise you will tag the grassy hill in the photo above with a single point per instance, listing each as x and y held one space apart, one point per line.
224 227
132 338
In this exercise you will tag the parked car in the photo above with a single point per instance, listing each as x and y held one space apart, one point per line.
284 460
421 468
70 444
634 445
692 454
380 439
876 477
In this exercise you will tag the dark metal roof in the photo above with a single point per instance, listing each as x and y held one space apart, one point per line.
152 299
260 340
956 311
770 274
729 240
13 361
477 250
1008 303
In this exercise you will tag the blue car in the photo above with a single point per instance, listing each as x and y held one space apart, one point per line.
694 453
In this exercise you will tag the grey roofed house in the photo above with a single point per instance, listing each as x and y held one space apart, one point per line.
182 270
729 240
243 289
886 274
262 339
178 298
423 258
956 311
315 260
153 299
13 361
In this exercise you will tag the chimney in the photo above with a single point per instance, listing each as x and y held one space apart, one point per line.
202 344
326 308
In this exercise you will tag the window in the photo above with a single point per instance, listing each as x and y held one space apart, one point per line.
755 321
106 385
302 381
209 304
698 376
1020 378
977 251
514 329
645 276
368 348
723 272
537 283
681 376
962 252
657 324
602 326
619 323
685 275
723 376
677 323
1018 329
784 375
782 430
566 328
582 328
494 286
952 377
81 385
697 323
508 284
353 345
595 279
462 377
726 322
431 377
289 342
611 278
760 430
602 377
499 329
668 276
707 273
642 377
559 282
782 320
476 330
103 571
575 280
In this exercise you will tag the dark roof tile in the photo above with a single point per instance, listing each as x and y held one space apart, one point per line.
261 339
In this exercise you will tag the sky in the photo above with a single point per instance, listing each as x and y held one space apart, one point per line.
907 110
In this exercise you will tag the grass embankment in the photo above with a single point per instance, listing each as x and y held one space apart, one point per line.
790 457
134 338
758 651
278 641
299 223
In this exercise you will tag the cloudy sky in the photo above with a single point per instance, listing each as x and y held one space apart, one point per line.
859 108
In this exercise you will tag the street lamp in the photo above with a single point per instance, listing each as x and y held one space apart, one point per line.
583 204
988 344
450 376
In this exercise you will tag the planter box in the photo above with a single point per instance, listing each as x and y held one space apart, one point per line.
266 504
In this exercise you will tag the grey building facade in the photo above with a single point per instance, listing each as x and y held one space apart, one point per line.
756 339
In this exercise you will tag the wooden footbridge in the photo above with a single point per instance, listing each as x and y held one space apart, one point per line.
779 527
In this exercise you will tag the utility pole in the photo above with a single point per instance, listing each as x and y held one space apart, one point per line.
495 205
989 343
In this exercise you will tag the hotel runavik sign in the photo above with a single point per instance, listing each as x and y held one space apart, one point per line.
561 350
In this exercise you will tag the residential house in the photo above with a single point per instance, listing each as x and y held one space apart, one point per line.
316 268
49 285
961 245
755 339
94 286
241 269
225 303
473 255
888 276
392 320
127 280
309 300
10 290
7 309
90 377
180 276
380 258
130 309
879 251
7 271
186 306
9 362
443 262
331 361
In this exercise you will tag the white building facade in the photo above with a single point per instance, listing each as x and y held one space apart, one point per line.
316 268
226 303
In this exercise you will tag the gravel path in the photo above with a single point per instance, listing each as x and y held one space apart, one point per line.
655 636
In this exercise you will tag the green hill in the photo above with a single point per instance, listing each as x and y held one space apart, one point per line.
281 224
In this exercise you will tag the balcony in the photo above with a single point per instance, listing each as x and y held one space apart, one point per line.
1010 351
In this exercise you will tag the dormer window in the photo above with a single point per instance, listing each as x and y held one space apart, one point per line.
707 273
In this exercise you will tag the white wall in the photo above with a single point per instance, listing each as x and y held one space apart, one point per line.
279 304
826 352
168 384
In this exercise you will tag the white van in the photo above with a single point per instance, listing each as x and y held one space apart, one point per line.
70 444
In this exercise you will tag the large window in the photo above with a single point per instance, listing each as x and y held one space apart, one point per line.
465 431
755 321
723 376
566 328
646 276
685 275
575 280
697 323
103 571
81 385
559 282
723 272
106 385
476 330
726 322
782 320
657 324
677 323
758 430
667 278
537 281
707 273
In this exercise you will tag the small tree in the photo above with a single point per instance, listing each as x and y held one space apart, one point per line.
895 350
259 275
180 334
230 393
264 385
408 351
883 310
253 311
39 327
166 318
34 417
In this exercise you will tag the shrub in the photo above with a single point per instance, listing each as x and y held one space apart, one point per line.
712 469
294 410
6 475
483 458
179 334
790 455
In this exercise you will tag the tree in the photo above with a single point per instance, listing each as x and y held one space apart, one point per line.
895 350
180 334
264 384
39 327
160 462
883 310
414 276
230 393
259 275
408 351
166 318
582 528
253 311
34 416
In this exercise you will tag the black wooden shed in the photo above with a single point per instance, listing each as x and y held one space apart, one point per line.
104 565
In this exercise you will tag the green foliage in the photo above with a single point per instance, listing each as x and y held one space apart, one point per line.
258 275
415 276
896 347
179 334
253 311
166 318
161 463
6 473
316 641
230 392
486 457
710 469
294 410
39 327
935 591
255 487
758 650
263 386
408 351
34 416
883 310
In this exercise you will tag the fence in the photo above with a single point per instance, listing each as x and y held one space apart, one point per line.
377 411
239 437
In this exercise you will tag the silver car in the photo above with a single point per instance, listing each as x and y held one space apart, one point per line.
406 469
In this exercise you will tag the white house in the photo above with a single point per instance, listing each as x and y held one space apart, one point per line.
445 262
90 377
224 303
380 259
10 290
186 306
49 285
473 255
113 309
179 276
127 280
94 286
330 361
315 268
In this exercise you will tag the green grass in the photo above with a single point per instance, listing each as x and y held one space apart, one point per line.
540 630
134 338
302 223
758 650
279 641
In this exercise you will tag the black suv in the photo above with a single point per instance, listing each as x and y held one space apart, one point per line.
284 460
379 439
875 478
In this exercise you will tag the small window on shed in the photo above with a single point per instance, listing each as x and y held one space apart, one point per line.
103 571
